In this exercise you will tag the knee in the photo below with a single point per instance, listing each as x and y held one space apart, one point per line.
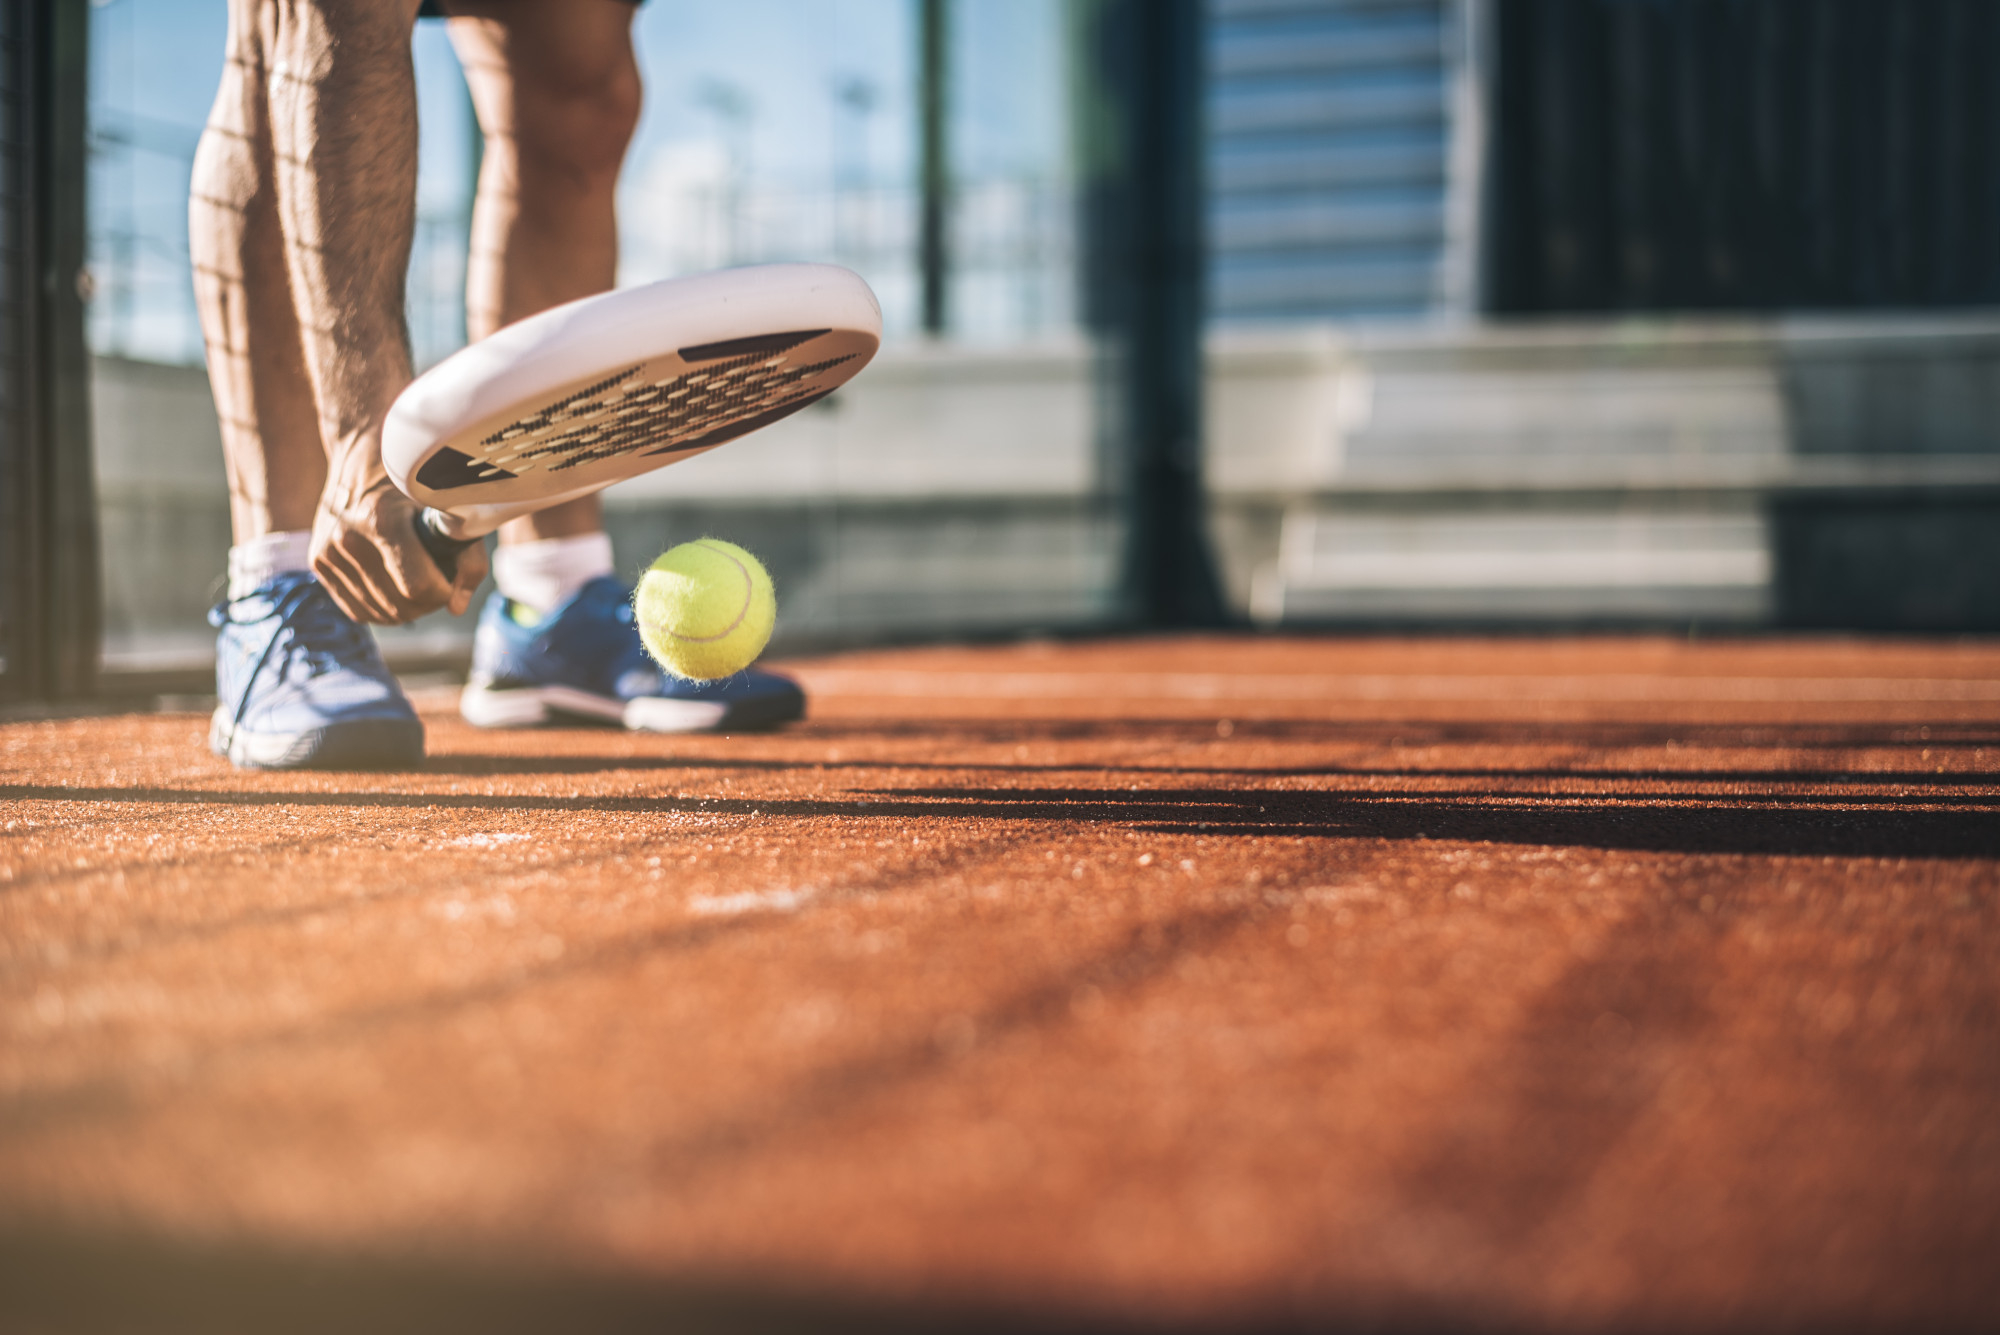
573 125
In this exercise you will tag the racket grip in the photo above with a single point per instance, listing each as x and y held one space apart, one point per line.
443 548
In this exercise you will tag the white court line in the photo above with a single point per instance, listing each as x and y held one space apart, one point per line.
488 840
748 901
1634 687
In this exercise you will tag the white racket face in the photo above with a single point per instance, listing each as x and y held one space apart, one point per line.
486 436
641 416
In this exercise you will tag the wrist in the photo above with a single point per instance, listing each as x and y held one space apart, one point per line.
355 476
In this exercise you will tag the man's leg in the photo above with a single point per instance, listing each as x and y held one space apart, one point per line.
556 88
302 316
256 365
300 224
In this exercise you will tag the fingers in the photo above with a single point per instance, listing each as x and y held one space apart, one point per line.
387 594
344 584
369 560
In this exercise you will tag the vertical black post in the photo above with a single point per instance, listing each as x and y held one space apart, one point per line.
17 547
933 154
72 593
1141 151
50 617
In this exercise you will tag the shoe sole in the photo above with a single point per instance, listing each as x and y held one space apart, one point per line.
383 743
531 706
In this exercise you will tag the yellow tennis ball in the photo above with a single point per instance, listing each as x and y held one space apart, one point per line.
705 609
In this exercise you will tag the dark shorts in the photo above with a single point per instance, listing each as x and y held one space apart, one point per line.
431 10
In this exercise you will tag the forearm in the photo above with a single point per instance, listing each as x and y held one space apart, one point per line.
343 116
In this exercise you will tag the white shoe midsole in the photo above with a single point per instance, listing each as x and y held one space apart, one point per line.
653 713
264 750
526 706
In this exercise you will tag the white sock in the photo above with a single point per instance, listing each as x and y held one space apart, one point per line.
253 562
540 575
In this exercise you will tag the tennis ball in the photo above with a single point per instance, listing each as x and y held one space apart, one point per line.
705 609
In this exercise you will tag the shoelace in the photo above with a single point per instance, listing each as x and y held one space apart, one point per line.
317 628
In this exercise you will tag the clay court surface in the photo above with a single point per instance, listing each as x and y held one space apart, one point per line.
1593 983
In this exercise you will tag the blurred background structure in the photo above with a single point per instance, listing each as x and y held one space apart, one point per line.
1510 311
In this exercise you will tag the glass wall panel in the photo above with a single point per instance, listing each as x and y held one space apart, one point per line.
164 506
954 487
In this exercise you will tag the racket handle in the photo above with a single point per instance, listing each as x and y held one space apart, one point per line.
443 548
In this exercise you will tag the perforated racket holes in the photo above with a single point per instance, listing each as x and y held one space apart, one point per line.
621 414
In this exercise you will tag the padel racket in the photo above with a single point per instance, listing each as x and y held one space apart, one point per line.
569 401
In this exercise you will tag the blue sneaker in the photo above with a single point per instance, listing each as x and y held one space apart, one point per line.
584 661
303 687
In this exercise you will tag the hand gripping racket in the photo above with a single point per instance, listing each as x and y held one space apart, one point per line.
569 401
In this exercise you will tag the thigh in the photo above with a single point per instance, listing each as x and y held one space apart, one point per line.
528 51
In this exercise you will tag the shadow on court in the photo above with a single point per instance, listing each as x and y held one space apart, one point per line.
1001 1020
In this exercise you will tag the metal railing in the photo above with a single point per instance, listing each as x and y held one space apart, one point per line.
1012 250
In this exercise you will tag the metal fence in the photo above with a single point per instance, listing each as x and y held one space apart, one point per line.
1012 250
1710 155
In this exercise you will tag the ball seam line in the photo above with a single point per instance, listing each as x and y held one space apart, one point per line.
749 596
